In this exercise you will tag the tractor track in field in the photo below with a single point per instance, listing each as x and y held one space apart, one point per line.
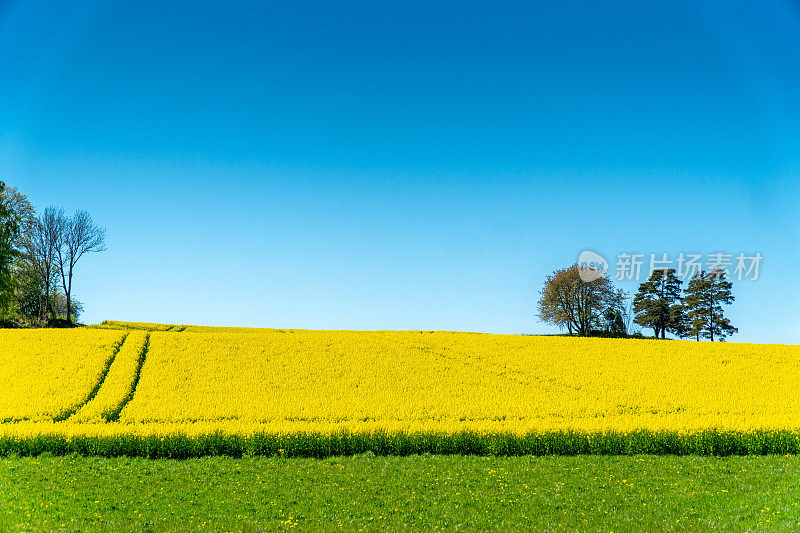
65 415
114 416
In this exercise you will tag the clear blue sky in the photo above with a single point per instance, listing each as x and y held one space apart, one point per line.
404 165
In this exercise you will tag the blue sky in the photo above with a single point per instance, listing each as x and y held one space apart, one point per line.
377 165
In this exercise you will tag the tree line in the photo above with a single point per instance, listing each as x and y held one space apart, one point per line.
39 256
592 306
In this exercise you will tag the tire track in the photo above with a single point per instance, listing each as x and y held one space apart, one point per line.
114 416
92 393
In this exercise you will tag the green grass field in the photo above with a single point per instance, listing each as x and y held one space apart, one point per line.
366 492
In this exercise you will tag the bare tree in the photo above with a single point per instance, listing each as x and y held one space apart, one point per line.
46 233
79 236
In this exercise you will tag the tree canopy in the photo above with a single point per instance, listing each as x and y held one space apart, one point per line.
580 306
705 295
38 258
657 304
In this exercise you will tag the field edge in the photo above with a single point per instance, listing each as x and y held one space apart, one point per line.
308 444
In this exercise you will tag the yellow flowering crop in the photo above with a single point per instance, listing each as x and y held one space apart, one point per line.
453 381
118 383
47 374
218 390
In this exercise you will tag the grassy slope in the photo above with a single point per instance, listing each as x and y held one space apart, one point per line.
551 493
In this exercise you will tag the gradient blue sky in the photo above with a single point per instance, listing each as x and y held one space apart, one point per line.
404 165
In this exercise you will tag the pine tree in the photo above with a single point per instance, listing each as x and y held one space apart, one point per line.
679 321
657 304
705 295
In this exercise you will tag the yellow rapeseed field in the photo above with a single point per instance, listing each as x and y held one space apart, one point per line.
47 374
118 383
453 381
219 390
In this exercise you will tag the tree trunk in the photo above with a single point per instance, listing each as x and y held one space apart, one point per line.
51 306
711 316
69 296
711 324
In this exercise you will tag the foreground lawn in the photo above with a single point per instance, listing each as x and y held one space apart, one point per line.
366 492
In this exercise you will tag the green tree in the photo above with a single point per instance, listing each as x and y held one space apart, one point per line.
31 300
576 305
614 322
705 295
9 233
657 303
679 320
29 294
